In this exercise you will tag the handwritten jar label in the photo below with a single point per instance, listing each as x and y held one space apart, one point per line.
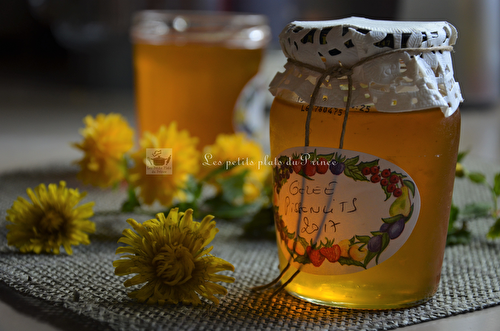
339 211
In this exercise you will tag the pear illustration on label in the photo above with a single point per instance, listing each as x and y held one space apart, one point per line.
338 211
402 204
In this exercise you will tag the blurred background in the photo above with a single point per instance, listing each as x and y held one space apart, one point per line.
86 42
64 57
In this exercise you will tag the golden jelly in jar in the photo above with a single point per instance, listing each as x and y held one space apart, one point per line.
362 198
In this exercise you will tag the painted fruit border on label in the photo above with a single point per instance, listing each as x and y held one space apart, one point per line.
338 211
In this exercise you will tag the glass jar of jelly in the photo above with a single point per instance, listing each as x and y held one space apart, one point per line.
362 198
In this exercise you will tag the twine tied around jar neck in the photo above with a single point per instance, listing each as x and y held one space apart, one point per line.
341 71
334 72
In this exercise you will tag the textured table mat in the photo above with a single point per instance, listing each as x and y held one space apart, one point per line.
82 292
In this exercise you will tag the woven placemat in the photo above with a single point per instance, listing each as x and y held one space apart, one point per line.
81 291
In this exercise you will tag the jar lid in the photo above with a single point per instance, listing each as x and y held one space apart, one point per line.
419 76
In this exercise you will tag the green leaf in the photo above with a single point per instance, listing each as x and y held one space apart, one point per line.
400 175
363 239
313 155
217 171
221 208
348 261
385 241
328 157
477 177
454 211
461 156
496 185
411 212
303 242
131 203
352 171
303 174
395 218
370 164
283 159
410 185
351 161
304 259
387 193
392 219
494 231
193 189
458 237
475 210
369 257
232 186
233 212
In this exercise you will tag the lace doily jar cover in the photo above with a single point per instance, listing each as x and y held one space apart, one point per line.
401 81
362 197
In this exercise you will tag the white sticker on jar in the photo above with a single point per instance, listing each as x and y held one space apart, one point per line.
339 211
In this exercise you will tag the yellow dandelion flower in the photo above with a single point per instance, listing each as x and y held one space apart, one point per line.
185 161
51 220
106 138
169 254
245 154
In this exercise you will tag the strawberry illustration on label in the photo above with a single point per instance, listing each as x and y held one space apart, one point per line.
309 168
315 256
296 165
322 166
332 254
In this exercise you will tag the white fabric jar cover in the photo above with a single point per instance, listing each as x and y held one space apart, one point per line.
400 81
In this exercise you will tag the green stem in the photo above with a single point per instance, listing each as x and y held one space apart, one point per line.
132 201
126 175
495 201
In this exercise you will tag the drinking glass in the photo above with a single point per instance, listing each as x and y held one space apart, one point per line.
190 67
